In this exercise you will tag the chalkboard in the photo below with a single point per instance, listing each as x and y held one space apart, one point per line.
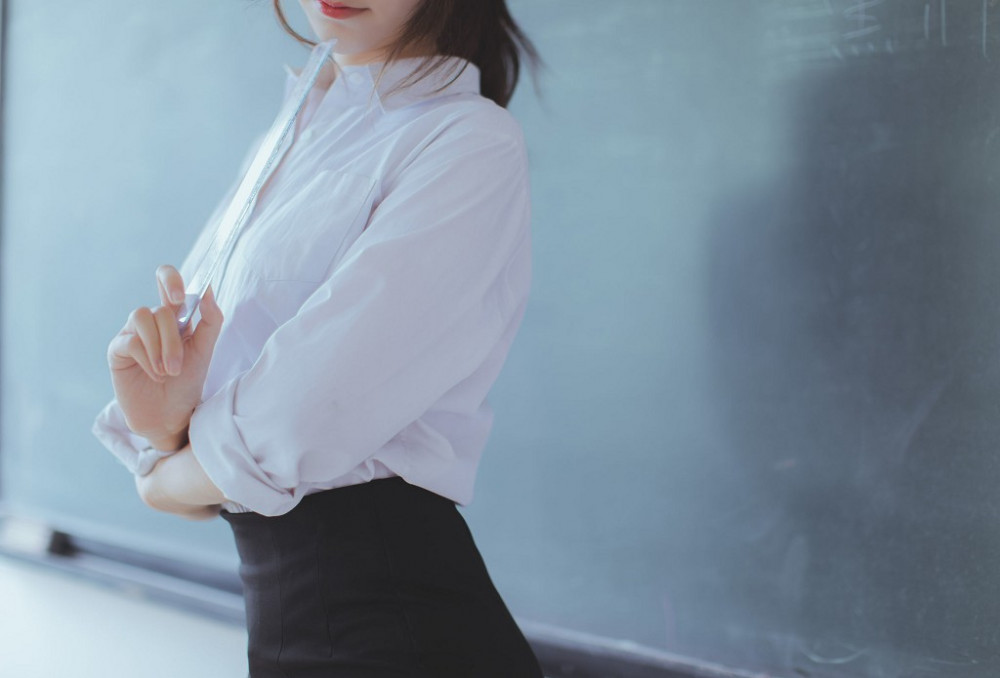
752 416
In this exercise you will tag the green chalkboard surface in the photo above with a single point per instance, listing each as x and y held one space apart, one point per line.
752 419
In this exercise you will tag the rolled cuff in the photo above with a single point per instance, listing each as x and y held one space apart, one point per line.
218 445
134 451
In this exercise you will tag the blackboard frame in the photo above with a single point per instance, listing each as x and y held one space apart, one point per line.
564 654
216 594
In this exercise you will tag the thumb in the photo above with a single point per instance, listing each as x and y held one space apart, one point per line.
207 331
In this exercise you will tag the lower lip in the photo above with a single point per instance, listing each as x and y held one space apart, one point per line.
339 12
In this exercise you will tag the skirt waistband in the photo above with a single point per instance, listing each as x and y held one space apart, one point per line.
379 489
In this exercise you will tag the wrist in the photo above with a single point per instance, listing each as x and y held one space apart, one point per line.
169 442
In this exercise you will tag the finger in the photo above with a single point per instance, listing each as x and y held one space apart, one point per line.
210 325
144 325
127 350
172 355
120 353
210 304
171 286
188 329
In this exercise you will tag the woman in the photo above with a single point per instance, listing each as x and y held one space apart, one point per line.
331 404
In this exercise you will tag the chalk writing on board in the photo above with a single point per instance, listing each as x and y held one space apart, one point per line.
805 33
867 22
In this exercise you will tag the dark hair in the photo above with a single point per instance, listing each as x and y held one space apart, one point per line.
480 31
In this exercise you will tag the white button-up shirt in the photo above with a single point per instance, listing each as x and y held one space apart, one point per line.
371 300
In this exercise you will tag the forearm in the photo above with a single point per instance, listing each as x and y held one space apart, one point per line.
178 484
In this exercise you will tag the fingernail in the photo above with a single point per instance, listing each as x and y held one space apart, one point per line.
173 367
176 297
159 367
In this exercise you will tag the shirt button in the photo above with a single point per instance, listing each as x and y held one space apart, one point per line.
308 135
355 78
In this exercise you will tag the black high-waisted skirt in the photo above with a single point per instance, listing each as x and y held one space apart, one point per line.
371 581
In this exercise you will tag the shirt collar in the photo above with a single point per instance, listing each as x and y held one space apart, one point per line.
359 81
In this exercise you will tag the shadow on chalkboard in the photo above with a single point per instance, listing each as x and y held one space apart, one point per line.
855 361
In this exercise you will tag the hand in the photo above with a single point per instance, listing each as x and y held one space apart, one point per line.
167 505
178 484
158 374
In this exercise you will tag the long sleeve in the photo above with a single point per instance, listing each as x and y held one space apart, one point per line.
133 451
414 307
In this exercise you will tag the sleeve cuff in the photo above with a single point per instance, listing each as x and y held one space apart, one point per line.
133 451
218 445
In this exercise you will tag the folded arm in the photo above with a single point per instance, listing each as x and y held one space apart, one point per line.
178 484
